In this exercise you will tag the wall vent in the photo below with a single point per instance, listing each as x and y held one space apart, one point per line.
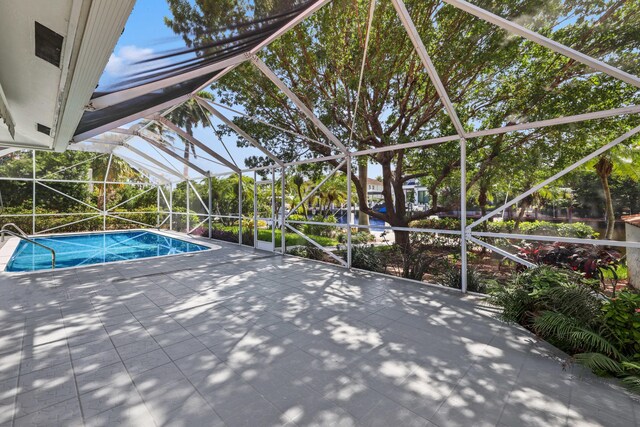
48 44
44 129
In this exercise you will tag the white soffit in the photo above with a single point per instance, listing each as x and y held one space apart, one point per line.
39 92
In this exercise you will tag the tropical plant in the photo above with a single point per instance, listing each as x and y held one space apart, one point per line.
321 230
567 310
187 116
111 169
592 261
451 277
367 257
621 160
622 316
298 181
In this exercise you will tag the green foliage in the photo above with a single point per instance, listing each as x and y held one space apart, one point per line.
451 277
359 238
546 288
622 317
417 260
308 251
541 228
321 230
571 335
297 217
367 257
567 310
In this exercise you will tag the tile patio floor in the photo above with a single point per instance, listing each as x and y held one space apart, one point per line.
239 337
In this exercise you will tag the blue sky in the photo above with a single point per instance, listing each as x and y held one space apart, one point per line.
145 34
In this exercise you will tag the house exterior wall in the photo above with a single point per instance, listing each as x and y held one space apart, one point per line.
633 255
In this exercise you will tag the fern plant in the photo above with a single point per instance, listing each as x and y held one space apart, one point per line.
590 347
568 310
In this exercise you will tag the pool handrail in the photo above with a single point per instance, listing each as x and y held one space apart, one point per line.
24 237
18 229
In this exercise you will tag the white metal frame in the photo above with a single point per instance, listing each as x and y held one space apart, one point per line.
343 154
104 213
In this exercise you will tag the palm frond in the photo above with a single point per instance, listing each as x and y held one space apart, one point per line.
556 325
584 338
552 324
575 301
631 366
598 362
632 382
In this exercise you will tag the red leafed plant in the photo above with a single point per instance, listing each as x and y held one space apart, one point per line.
590 260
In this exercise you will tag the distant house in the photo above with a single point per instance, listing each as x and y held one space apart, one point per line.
374 191
415 193
632 227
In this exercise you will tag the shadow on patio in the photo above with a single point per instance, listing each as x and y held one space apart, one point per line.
239 337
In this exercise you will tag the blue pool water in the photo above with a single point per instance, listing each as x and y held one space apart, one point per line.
96 248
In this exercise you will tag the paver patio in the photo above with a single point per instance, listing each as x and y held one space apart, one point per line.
240 337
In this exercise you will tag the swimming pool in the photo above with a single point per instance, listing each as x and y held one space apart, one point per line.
96 248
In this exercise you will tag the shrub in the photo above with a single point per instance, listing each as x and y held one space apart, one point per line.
307 251
437 223
248 223
297 217
358 238
451 277
567 310
622 317
545 228
321 230
546 288
225 235
416 259
367 258
593 262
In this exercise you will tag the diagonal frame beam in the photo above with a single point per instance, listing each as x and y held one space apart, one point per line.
175 128
145 169
560 174
238 130
317 245
298 102
502 252
153 161
544 41
316 188
428 64
161 147
204 205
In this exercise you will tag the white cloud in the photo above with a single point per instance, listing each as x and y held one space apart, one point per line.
122 62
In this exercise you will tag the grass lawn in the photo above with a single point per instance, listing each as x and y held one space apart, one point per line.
291 239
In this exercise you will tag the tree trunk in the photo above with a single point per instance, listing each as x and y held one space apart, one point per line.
304 207
604 168
523 208
363 170
608 206
189 130
402 239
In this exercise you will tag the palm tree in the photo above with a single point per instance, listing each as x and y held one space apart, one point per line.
604 168
619 161
298 181
187 116
119 171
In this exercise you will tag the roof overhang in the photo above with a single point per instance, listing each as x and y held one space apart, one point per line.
52 91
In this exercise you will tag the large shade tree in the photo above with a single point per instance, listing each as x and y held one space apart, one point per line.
493 78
